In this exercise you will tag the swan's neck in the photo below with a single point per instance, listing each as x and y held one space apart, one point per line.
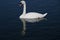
24 8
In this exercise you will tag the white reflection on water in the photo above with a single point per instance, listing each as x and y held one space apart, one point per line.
31 21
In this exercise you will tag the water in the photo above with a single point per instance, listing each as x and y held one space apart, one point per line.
11 26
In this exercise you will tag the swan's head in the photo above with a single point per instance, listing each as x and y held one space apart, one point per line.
22 2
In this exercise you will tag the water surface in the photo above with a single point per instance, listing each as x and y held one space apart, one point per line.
11 26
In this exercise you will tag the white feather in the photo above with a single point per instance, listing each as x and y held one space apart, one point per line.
30 14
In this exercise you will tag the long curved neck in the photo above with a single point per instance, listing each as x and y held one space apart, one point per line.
24 8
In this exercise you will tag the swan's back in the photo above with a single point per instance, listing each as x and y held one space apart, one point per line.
33 15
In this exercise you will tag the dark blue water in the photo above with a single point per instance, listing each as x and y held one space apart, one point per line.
11 25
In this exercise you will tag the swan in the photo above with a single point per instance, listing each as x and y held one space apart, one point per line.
30 14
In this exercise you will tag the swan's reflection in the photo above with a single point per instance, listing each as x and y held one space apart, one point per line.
31 21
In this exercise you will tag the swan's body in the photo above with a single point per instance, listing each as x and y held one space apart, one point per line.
33 15
30 14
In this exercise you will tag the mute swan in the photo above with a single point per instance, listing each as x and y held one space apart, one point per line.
30 14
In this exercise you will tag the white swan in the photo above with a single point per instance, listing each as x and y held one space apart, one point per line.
30 14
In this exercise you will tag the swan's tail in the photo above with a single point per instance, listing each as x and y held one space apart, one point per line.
45 14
